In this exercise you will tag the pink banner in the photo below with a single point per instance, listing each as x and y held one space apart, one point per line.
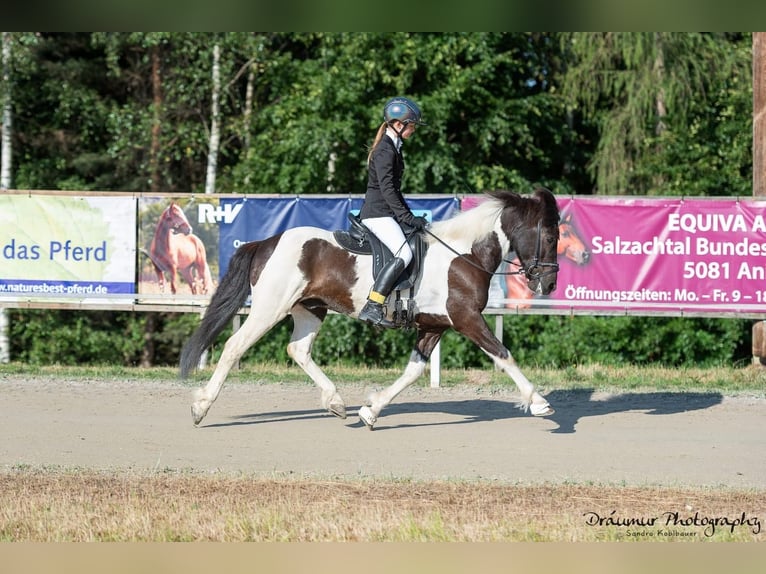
666 255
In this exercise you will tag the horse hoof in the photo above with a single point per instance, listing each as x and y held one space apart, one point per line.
543 410
197 415
337 409
369 419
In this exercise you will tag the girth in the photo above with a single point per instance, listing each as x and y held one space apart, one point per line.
359 239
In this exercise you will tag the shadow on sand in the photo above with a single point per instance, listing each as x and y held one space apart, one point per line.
571 406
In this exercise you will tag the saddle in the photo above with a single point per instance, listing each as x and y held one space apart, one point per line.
359 239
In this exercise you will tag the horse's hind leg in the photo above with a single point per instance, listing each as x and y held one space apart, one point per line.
426 342
377 401
188 275
305 327
254 327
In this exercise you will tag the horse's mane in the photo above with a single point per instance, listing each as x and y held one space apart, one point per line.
480 220
474 223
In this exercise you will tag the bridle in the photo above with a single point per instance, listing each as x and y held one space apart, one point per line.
533 270
529 269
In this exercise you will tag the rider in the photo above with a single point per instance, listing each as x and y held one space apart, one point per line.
384 210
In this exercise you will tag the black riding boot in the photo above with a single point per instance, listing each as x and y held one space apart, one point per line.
373 310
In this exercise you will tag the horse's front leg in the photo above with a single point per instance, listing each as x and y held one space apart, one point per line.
415 367
160 278
306 325
473 326
173 272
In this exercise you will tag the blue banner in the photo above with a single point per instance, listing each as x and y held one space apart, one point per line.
256 218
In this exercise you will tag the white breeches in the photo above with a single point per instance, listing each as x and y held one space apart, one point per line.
391 235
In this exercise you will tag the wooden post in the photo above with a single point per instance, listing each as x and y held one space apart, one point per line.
498 331
436 355
759 160
759 343
235 325
759 113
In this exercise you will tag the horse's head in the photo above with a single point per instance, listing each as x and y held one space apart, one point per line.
174 218
571 244
532 227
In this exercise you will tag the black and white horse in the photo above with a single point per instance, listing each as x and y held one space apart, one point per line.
304 272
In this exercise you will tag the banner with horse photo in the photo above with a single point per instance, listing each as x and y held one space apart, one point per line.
664 255
66 246
178 248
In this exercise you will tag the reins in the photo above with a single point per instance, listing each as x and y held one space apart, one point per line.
526 270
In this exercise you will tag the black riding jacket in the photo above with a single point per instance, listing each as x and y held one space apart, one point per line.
384 181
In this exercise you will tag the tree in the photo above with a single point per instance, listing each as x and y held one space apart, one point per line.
215 129
489 99
641 90
5 165
759 113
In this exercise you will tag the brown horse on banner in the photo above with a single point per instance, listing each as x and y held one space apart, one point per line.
176 250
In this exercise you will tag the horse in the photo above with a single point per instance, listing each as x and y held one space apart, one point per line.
571 246
305 273
175 249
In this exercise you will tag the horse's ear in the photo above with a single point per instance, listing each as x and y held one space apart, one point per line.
544 195
567 218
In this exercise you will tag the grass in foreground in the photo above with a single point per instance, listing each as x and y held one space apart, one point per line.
54 505
751 379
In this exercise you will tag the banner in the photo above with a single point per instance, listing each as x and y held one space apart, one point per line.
649 254
251 219
642 255
178 247
66 246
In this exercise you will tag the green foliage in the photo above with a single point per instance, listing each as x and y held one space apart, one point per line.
662 102
75 337
562 341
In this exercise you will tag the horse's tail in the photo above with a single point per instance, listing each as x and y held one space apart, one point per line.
227 300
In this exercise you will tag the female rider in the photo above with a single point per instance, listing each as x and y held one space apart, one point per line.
384 210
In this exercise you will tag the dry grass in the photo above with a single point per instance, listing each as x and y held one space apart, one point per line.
59 505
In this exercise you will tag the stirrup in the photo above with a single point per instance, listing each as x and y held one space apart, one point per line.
373 314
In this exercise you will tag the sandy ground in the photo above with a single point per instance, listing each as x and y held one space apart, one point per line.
464 433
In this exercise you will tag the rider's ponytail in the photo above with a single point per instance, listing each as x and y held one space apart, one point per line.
378 137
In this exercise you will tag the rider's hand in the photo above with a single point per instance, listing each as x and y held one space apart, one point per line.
420 223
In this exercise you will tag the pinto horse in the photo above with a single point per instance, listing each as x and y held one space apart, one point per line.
304 272
571 246
175 249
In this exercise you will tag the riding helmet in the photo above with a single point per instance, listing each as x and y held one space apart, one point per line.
402 109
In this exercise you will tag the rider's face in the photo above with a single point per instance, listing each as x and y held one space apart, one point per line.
408 131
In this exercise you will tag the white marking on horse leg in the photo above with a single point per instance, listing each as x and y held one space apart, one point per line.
306 326
377 401
252 329
530 398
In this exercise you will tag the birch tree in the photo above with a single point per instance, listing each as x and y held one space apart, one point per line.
5 91
215 128
5 168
